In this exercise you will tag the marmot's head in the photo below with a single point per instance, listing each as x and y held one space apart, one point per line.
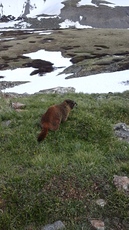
71 103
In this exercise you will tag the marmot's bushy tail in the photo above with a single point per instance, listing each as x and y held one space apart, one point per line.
42 134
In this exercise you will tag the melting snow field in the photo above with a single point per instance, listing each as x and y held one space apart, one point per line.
17 7
99 83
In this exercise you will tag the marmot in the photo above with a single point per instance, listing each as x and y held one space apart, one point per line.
54 116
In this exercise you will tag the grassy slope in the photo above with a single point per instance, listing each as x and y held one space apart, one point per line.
62 177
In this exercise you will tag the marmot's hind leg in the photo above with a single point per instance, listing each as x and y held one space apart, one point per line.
54 125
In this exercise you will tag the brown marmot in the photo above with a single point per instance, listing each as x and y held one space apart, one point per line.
54 116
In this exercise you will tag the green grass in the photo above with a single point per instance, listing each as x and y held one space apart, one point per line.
61 178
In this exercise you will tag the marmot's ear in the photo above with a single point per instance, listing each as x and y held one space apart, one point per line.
68 101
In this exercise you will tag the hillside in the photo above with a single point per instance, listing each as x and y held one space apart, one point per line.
90 51
74 175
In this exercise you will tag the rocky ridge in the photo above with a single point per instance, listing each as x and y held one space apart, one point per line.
98 15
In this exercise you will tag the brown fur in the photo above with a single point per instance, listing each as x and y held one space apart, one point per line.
54 116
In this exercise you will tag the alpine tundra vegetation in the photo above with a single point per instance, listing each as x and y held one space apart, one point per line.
63 178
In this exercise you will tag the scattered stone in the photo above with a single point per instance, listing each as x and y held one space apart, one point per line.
6 123
10 84
122 131
120 126
2 66
55 226
60 90
77 59
41 66
7 18
98 224
121 182
101 202
9 95
18 105
20 110
38 63
125 82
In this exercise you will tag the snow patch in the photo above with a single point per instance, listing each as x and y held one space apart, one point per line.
68 23
14 24
30 7
99 83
